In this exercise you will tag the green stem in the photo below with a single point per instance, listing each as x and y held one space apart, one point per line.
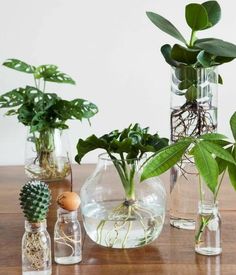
200 189
218 187
192 39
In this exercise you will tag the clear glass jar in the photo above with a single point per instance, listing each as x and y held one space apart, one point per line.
193 107
208 230
184 195
67 238
119 216
36 249
47 155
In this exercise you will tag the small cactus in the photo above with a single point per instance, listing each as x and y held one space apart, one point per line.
35 198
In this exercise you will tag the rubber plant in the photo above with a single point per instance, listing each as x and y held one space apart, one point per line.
213 156
126 149
44 112
193 60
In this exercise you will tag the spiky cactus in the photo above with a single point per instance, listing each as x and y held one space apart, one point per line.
35 198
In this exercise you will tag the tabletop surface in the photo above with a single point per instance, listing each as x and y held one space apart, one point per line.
172 253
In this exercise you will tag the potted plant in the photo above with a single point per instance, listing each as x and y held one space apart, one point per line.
35 199
46 116
194 85
213 156
117 210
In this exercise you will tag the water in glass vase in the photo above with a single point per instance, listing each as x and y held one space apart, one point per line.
119 225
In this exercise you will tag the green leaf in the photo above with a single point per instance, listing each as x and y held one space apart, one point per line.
217 151
184 55
19 65
90 144
185 84
165 25
205 59
184 72
165 159
213 136
233 125
83 108
196 17
12 99
52 74
232 174
222 165
207 166
220 80
214 12
216 47
166 52
191 94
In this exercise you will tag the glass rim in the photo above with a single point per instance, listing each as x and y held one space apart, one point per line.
196 68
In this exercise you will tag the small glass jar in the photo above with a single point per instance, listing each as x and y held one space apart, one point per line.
36 249
67 238
208 230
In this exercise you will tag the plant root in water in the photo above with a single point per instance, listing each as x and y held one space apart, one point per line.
191 120
123 217
36 251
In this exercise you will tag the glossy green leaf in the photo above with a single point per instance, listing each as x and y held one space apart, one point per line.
232 174
184 55
207 166
166 52
19 65
165 25
216 47
217 151
191 94
213 136
186 73
165 159
52 74
196 17
222 165
233 125
214 12
185 84
12 98
205 59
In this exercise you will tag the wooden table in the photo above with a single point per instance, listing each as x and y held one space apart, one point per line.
172 253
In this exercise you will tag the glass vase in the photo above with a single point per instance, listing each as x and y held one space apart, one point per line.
208 230
67 238
36 249
120 215
47 155
193 112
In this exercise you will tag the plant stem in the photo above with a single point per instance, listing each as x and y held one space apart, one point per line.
218 187
192 39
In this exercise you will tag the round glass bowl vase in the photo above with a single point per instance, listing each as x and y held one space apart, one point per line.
47 155
118 210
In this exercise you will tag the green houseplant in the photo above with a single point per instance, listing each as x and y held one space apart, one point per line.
46 115
194 88
113 203
35 198
213 156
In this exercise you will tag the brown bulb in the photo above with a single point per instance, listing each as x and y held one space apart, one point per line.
69 201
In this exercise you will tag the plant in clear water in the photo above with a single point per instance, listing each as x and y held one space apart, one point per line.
125 149
35 198
190 60
43 113
213 155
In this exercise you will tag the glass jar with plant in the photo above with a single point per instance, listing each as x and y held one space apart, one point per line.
213 155
35 199
118 211
194 85
46 115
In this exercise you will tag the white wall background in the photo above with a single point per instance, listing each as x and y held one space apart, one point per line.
112 50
